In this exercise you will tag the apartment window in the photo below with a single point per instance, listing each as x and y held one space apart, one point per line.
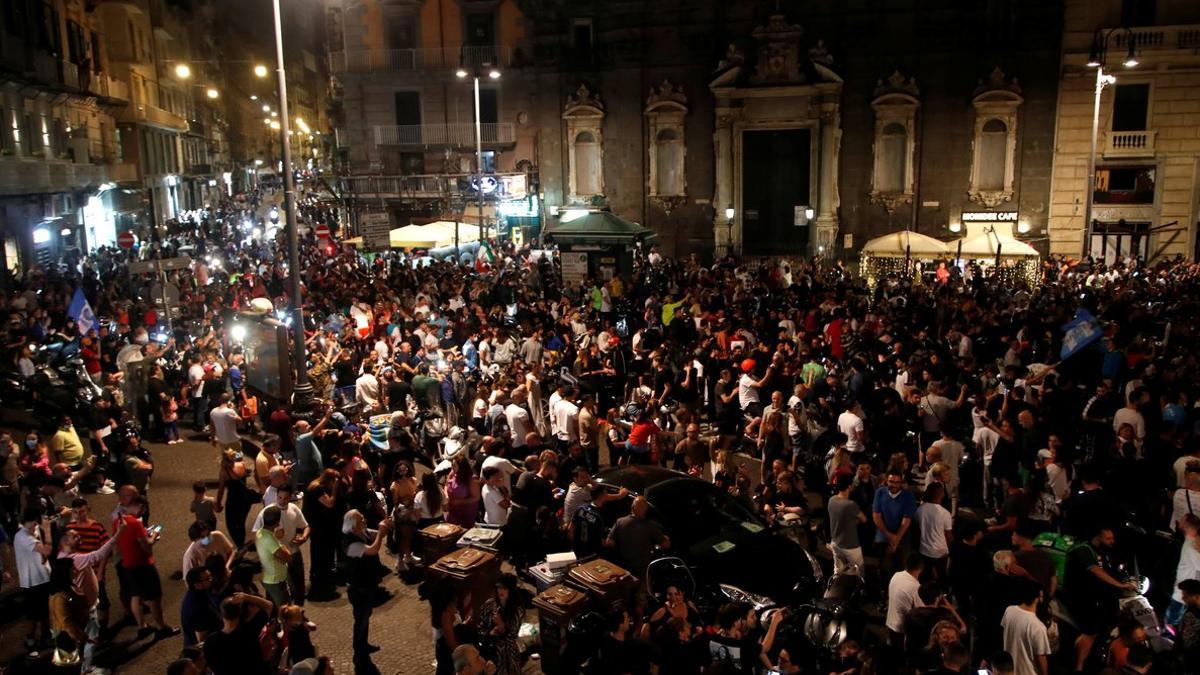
401 32
408 108
1124 185
666 110
15 17
481 30
895 104
76 49
97 66
1131 105
581 37
1138 12
584 115
6 140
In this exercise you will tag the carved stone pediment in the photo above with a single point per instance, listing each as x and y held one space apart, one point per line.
990 198
778 52
583 103
666 96
997 81
890 201
896 83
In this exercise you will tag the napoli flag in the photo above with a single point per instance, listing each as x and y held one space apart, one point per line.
1080 332
81 312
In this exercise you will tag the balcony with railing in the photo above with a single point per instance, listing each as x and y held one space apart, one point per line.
1129 144
402 60
1161 38
34 175
144 113
461 135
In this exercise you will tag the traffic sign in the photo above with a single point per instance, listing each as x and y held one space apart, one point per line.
376 228
322 231
126 240
163 265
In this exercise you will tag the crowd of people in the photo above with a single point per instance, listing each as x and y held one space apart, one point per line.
999 500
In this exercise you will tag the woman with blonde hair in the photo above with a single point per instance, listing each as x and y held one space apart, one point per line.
1188 568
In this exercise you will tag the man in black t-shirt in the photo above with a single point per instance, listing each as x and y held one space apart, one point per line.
234 650
1090 593
588 529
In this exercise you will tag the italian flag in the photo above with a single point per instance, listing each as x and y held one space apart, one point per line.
484 258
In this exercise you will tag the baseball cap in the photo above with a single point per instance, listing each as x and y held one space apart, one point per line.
747 365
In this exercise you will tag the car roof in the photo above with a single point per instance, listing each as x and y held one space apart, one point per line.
639 478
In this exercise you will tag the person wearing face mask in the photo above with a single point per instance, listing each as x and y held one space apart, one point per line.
205 542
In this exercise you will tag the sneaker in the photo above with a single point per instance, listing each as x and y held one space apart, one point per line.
145 632
401 566
105 490
110 484
166 632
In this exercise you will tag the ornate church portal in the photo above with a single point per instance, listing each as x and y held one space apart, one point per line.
777 138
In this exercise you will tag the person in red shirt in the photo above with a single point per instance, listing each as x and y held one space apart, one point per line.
643 440
136 544
90 353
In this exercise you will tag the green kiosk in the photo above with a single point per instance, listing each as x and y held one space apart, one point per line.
595 244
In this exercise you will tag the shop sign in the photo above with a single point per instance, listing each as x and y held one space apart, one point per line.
989 216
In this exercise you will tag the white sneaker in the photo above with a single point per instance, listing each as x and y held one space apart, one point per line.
110 484
105 490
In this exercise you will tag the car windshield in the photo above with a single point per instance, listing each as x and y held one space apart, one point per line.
695 510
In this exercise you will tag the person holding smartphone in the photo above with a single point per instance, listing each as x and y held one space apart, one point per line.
136 544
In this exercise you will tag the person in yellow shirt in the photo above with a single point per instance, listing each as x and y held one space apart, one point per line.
616 287
66 446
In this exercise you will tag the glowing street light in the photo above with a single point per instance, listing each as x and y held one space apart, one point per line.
212 93
253 97
260 70
266 108
275 125
183 71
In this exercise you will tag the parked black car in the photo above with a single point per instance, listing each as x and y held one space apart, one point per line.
720 538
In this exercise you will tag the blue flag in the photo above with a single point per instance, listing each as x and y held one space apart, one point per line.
81 312
1080 332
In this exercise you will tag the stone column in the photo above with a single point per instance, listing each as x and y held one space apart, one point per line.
825 231
724 235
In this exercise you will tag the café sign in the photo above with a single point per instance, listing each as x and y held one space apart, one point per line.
989 216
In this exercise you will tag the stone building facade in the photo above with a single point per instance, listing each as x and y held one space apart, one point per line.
1146 183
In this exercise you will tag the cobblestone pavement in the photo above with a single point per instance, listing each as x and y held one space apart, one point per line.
400 626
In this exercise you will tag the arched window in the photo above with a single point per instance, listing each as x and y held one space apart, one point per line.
993 141
584 114
993 167
587 164
893 158
669 163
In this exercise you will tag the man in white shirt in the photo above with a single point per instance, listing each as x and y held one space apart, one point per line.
566 420
985 440
196 393
495 497
936 526
748 397
850 423
1056 475
903 596
519 421
224 425
1025 636
366 388
1130 415
295 532
33 572
506 467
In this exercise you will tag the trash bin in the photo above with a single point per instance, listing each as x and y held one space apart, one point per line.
557 606
1057 546
437 540
473 573
608 585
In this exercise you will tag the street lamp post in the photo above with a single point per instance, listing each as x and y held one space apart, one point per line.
302 393
495 75
1096 60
